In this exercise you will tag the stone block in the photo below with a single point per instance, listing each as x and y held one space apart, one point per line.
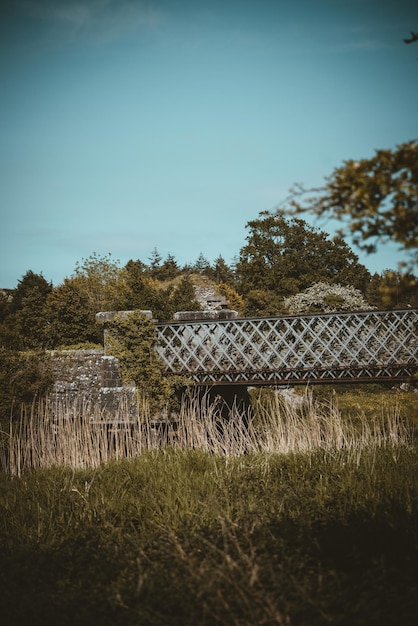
109 316
190 316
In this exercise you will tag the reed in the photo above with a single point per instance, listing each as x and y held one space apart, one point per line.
77 434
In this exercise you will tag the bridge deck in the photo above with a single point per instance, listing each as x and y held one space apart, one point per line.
353 346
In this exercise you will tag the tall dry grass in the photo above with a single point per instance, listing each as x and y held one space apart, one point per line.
77 434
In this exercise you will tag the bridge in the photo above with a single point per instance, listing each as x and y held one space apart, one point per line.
367 346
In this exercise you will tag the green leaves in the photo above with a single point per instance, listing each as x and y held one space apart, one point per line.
284 256
132 339
376 198
24 376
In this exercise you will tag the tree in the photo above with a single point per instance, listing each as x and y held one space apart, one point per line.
6 297
222 273
101 280
24 377
283 257
26 311
169 268
235 301
202 265
69 318
183 297
393 290
31 286
155 262
326 298
146 293
262 303
376 199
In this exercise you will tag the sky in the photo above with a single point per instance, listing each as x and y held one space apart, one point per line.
128 126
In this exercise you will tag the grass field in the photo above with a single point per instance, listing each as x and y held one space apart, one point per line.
305 517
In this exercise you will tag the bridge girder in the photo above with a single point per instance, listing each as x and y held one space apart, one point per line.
353 346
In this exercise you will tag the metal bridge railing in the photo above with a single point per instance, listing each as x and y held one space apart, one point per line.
360 345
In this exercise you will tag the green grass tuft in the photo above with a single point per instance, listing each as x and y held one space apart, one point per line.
188 537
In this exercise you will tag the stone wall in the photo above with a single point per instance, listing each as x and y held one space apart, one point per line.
90 376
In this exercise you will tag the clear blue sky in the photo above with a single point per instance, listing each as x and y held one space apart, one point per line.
129 125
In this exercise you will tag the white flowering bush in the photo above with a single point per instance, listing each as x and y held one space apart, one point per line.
326 298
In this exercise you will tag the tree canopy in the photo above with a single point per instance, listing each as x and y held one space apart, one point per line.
100 280
285 256
376 199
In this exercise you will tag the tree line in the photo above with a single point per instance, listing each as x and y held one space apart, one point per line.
283 256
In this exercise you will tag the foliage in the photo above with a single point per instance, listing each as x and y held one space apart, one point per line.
146 293
25 322
154 260
101 281
6 298
377 198
169 268
80 345
132 340
326 298
10 334
138 286
193 538
24 376
32 286
393 290
202 265
262 303
286 256
158 270
69 317
236 302
22 325
222 273
183 297
163 298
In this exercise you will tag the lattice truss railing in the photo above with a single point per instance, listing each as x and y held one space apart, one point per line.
373 345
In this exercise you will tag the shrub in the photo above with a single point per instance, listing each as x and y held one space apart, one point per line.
326 298
132 339
24 376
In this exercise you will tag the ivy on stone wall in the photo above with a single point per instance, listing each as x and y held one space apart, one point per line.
132 339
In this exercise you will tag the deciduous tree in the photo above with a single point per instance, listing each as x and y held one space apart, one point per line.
101 280
376 199
284 256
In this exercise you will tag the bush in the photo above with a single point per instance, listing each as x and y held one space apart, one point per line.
24 376
326 298
132 340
